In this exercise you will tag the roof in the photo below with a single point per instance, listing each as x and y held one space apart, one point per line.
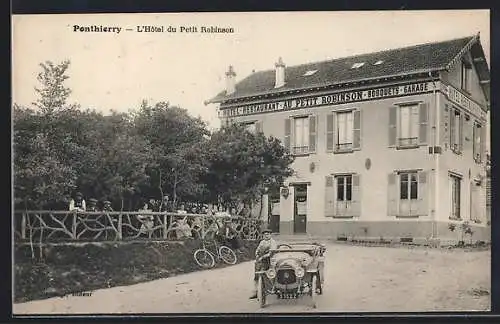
404 61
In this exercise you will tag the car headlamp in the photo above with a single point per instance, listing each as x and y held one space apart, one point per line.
299 272
271 273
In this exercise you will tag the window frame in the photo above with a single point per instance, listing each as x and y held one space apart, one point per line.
458 125
412 178
415 140
304 149
349 147
454 179
465 76
345 185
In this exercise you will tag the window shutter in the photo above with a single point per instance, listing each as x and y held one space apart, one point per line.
258 127
482 147
423 122
452 127
444 127
423 208
461 133
473 140
329 132
287 140
392 125
312 134
356 138
329 196
392 195
356 195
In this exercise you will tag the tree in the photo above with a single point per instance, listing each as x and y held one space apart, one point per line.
52 94
243 164
175 138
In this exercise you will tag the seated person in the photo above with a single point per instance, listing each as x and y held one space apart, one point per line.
262 256
228 236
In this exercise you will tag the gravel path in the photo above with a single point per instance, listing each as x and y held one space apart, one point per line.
357 279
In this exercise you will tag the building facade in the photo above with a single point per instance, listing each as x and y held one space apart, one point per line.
389 144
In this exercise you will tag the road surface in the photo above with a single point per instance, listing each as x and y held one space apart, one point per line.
357 279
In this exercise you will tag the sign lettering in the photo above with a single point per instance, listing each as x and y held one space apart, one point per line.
330 99
458 98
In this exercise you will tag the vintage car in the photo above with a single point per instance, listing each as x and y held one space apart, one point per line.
295 270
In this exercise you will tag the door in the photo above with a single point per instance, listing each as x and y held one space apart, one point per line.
300 209
274 213
408 194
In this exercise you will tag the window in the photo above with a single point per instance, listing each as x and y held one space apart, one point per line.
311 72
466 76
343 195
408 125
301 135
344 188
455 184
408 186
344 131
456 130
357 65
251 127
476 145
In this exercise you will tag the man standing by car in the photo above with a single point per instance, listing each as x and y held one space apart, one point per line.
262 256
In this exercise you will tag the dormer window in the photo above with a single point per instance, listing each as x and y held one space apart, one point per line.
310 72
466 76
357 65
378 62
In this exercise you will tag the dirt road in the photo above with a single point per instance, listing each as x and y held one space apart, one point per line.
357 279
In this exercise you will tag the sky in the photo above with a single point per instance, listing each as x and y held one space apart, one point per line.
116 71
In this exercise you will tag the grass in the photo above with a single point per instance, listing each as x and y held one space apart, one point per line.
67 269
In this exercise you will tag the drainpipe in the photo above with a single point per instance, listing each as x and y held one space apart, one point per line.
436 142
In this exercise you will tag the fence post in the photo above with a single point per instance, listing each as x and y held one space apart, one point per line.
23 226
120 232
165 225
73 226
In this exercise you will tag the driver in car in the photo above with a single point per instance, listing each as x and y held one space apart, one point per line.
262 256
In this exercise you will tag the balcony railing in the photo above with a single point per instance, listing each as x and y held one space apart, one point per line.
408 142
300 150
59 226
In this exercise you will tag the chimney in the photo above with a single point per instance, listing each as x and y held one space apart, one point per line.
230 81
280 74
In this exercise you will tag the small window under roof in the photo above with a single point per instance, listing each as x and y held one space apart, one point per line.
378 62
357 65
310 72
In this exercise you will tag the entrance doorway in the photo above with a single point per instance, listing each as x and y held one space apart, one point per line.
274 212
300 209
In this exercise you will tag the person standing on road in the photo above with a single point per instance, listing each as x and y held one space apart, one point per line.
262 256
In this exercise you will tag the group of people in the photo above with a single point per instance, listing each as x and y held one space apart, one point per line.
79 204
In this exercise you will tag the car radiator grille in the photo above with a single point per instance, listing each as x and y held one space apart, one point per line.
286 276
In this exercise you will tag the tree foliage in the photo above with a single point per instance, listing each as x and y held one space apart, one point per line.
155 150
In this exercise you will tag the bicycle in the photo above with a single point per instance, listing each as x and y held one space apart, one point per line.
206 258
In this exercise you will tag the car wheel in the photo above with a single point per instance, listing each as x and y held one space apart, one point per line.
261 293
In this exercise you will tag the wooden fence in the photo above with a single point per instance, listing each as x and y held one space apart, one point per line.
60 226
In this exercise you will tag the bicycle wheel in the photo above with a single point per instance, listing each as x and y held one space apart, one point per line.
204 258
227 255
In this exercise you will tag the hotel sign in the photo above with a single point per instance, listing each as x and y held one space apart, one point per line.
463 101
329 99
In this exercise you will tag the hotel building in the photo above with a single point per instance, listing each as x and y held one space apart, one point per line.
389 144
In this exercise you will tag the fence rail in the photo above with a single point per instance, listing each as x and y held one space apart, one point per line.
59 226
